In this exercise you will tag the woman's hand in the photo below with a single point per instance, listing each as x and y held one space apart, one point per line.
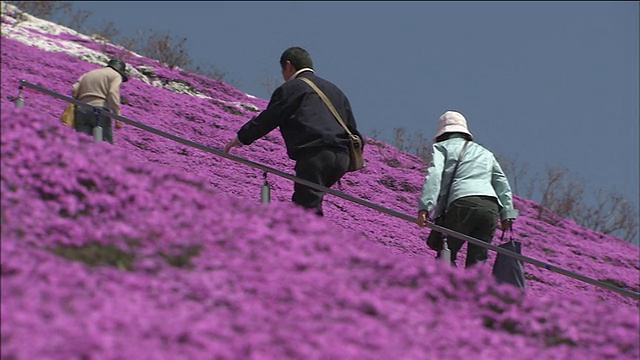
506 224
422 218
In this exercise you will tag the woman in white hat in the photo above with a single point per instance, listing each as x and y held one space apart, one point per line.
476 196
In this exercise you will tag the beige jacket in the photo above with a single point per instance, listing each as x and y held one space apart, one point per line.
100 87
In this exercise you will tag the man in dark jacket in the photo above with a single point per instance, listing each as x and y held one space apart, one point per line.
313 136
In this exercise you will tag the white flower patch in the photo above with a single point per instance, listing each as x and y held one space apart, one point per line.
31 31
180 87
246 106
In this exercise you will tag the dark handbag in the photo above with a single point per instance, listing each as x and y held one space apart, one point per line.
356 160
435 241
507 269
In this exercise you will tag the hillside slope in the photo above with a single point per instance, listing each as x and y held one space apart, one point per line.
201 270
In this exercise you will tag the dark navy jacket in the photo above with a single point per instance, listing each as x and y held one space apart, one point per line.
305 121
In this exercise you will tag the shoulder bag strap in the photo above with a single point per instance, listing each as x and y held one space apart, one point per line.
510 235
455 170
327 102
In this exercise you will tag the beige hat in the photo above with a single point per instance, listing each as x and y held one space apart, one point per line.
452 121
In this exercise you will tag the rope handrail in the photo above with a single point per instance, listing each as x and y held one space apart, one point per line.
538 263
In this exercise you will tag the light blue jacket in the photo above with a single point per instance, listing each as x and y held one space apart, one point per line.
478 174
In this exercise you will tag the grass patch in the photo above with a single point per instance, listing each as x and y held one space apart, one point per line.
183 259
96 255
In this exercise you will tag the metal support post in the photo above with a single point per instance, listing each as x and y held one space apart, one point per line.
97 130
265 191
445 253
20 100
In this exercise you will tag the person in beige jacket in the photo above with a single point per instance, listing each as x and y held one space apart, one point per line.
100 88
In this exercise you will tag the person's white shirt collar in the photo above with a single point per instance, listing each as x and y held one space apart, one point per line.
295 74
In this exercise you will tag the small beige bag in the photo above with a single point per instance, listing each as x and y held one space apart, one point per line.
68 117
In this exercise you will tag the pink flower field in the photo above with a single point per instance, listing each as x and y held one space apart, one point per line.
150 249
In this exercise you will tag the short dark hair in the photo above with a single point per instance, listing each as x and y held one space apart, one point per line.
298 57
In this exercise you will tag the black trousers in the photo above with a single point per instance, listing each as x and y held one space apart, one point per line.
324 167
86 121
476 216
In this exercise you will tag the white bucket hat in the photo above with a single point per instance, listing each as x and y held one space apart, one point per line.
452 121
